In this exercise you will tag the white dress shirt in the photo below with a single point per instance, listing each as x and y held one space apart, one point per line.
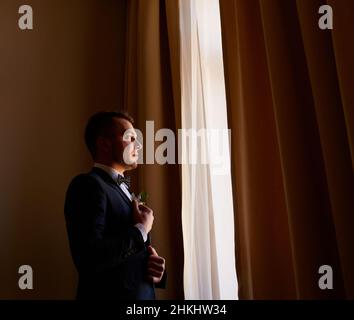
114 174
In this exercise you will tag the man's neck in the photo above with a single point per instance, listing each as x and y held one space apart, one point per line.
114 166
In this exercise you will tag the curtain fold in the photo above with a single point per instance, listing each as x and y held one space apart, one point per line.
342 189
291 115
152 94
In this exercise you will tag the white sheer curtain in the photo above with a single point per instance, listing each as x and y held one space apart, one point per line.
207 209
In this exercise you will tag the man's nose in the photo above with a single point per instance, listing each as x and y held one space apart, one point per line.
138 145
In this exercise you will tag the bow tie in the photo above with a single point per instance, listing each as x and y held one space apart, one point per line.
122 179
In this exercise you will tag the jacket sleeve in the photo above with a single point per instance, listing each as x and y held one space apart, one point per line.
85 213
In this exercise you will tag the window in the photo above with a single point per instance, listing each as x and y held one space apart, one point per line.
207 207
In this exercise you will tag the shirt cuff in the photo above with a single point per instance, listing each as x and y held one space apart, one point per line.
141 228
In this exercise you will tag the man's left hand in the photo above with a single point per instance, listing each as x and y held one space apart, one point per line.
155 266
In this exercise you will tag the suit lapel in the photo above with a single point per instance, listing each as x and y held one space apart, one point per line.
124 196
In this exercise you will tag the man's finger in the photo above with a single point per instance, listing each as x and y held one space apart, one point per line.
153 251
154 273
158 267
156 259
136 205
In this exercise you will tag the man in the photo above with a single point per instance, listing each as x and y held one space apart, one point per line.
108 228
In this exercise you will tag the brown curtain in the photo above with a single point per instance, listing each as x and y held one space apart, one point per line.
152 92
291 112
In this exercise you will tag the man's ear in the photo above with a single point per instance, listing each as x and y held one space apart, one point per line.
103 144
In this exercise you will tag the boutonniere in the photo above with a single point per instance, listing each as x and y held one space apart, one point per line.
141 197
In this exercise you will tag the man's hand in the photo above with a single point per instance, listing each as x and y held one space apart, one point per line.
143 214
156 266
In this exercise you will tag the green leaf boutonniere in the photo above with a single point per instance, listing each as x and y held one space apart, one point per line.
142 197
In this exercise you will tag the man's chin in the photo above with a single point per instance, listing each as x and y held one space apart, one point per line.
132 166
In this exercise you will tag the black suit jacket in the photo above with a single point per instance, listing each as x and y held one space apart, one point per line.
108 251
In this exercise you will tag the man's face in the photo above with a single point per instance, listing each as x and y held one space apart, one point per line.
124 144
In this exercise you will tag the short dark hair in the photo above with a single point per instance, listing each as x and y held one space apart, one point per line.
97 125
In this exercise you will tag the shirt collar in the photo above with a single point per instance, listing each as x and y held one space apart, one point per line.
113 173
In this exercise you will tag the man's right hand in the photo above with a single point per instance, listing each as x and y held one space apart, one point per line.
143 214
